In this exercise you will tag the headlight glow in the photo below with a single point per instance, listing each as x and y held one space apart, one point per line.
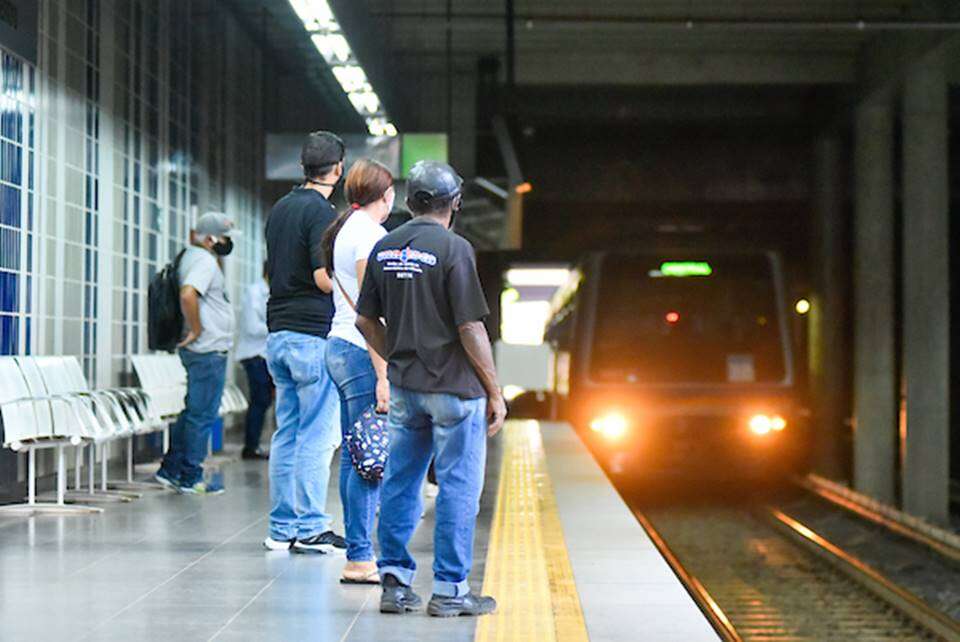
765 424
612 425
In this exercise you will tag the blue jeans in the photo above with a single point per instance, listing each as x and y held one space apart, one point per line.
306 436
454 432
261 396
352 372
190 434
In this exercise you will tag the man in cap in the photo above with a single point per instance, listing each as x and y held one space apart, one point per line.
207 337
299 312
444 398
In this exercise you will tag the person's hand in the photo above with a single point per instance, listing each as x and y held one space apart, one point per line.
496 414
190 338
383 396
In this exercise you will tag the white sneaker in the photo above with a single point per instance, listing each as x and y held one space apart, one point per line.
277 545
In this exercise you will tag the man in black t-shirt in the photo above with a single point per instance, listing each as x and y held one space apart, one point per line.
299 312
444 398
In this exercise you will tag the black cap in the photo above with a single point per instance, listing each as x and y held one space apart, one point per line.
321 148
431 182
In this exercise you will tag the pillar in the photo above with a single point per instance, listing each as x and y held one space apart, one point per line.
827 320
874 343
926 293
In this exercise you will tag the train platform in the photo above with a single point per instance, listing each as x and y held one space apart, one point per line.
556 545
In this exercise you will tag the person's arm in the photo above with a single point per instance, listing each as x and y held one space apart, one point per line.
379 363
190 305
476 343
323 280
375 334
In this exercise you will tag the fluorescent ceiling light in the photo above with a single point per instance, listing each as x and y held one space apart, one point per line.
538 276
328 38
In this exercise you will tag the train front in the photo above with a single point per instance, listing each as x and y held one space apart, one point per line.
682 365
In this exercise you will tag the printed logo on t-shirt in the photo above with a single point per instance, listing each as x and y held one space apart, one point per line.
405 262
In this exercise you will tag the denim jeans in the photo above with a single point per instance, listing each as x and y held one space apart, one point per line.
454 432
308 421
261 396
190 434
352 372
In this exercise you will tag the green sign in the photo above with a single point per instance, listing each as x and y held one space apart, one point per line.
685 268
418 147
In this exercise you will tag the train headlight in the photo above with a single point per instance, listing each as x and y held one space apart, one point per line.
765 424
611 425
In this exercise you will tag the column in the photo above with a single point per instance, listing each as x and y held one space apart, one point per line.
926 293
828 363
875 367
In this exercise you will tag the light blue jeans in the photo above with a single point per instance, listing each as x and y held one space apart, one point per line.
190 435
352 372
308 432
454 432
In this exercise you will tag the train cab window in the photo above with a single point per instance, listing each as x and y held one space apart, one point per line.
697 322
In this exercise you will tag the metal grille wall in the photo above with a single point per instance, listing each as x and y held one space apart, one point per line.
109 148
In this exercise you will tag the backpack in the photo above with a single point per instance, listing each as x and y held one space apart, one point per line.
164 316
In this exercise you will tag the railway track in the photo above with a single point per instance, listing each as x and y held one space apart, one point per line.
760 574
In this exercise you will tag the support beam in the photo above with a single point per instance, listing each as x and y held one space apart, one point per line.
875 366
828 367
926 293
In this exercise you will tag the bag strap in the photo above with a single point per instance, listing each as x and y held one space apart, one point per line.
343 291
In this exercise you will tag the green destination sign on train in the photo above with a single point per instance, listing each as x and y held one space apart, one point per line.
685 268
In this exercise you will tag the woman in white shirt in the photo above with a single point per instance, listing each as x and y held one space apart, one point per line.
358 372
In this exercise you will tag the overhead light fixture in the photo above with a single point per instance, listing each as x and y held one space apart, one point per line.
327 36
536 276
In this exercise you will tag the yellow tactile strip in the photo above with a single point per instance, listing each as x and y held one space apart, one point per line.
528 569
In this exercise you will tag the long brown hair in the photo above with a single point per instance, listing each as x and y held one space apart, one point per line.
367 181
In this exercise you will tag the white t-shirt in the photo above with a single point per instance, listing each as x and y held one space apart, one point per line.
354 243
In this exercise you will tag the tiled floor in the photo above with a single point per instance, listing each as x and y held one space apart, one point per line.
178 568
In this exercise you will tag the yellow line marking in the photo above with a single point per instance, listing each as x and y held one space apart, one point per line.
528 569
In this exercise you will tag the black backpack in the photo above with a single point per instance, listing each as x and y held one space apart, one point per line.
164 316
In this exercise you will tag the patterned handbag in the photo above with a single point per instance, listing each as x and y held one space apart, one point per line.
368 442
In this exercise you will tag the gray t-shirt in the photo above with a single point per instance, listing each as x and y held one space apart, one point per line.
199 269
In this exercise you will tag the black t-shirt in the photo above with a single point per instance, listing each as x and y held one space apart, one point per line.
294 231
422 279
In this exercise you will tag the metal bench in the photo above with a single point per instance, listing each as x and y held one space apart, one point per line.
34 420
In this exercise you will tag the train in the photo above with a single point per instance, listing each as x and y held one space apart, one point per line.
679 362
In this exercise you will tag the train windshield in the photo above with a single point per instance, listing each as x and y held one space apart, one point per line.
704 321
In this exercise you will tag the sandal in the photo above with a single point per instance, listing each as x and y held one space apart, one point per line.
360 573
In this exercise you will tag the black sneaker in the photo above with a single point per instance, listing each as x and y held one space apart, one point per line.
254 454
397 597
468 604
327 542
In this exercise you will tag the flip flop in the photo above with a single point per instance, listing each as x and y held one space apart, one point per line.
371 578
360 576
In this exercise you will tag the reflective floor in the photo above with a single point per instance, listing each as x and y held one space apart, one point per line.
179 568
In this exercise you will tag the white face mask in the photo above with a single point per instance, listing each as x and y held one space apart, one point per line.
389 197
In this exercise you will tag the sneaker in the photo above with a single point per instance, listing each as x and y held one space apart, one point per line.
468 604
254 454
326 542
278 544
397 597
203 488
166 482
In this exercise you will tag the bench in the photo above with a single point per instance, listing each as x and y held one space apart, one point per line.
32 420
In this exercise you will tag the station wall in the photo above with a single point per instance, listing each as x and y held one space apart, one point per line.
110 147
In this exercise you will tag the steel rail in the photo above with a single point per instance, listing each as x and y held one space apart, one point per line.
940 542
899 598
705 602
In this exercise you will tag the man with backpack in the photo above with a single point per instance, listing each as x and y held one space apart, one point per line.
207 336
